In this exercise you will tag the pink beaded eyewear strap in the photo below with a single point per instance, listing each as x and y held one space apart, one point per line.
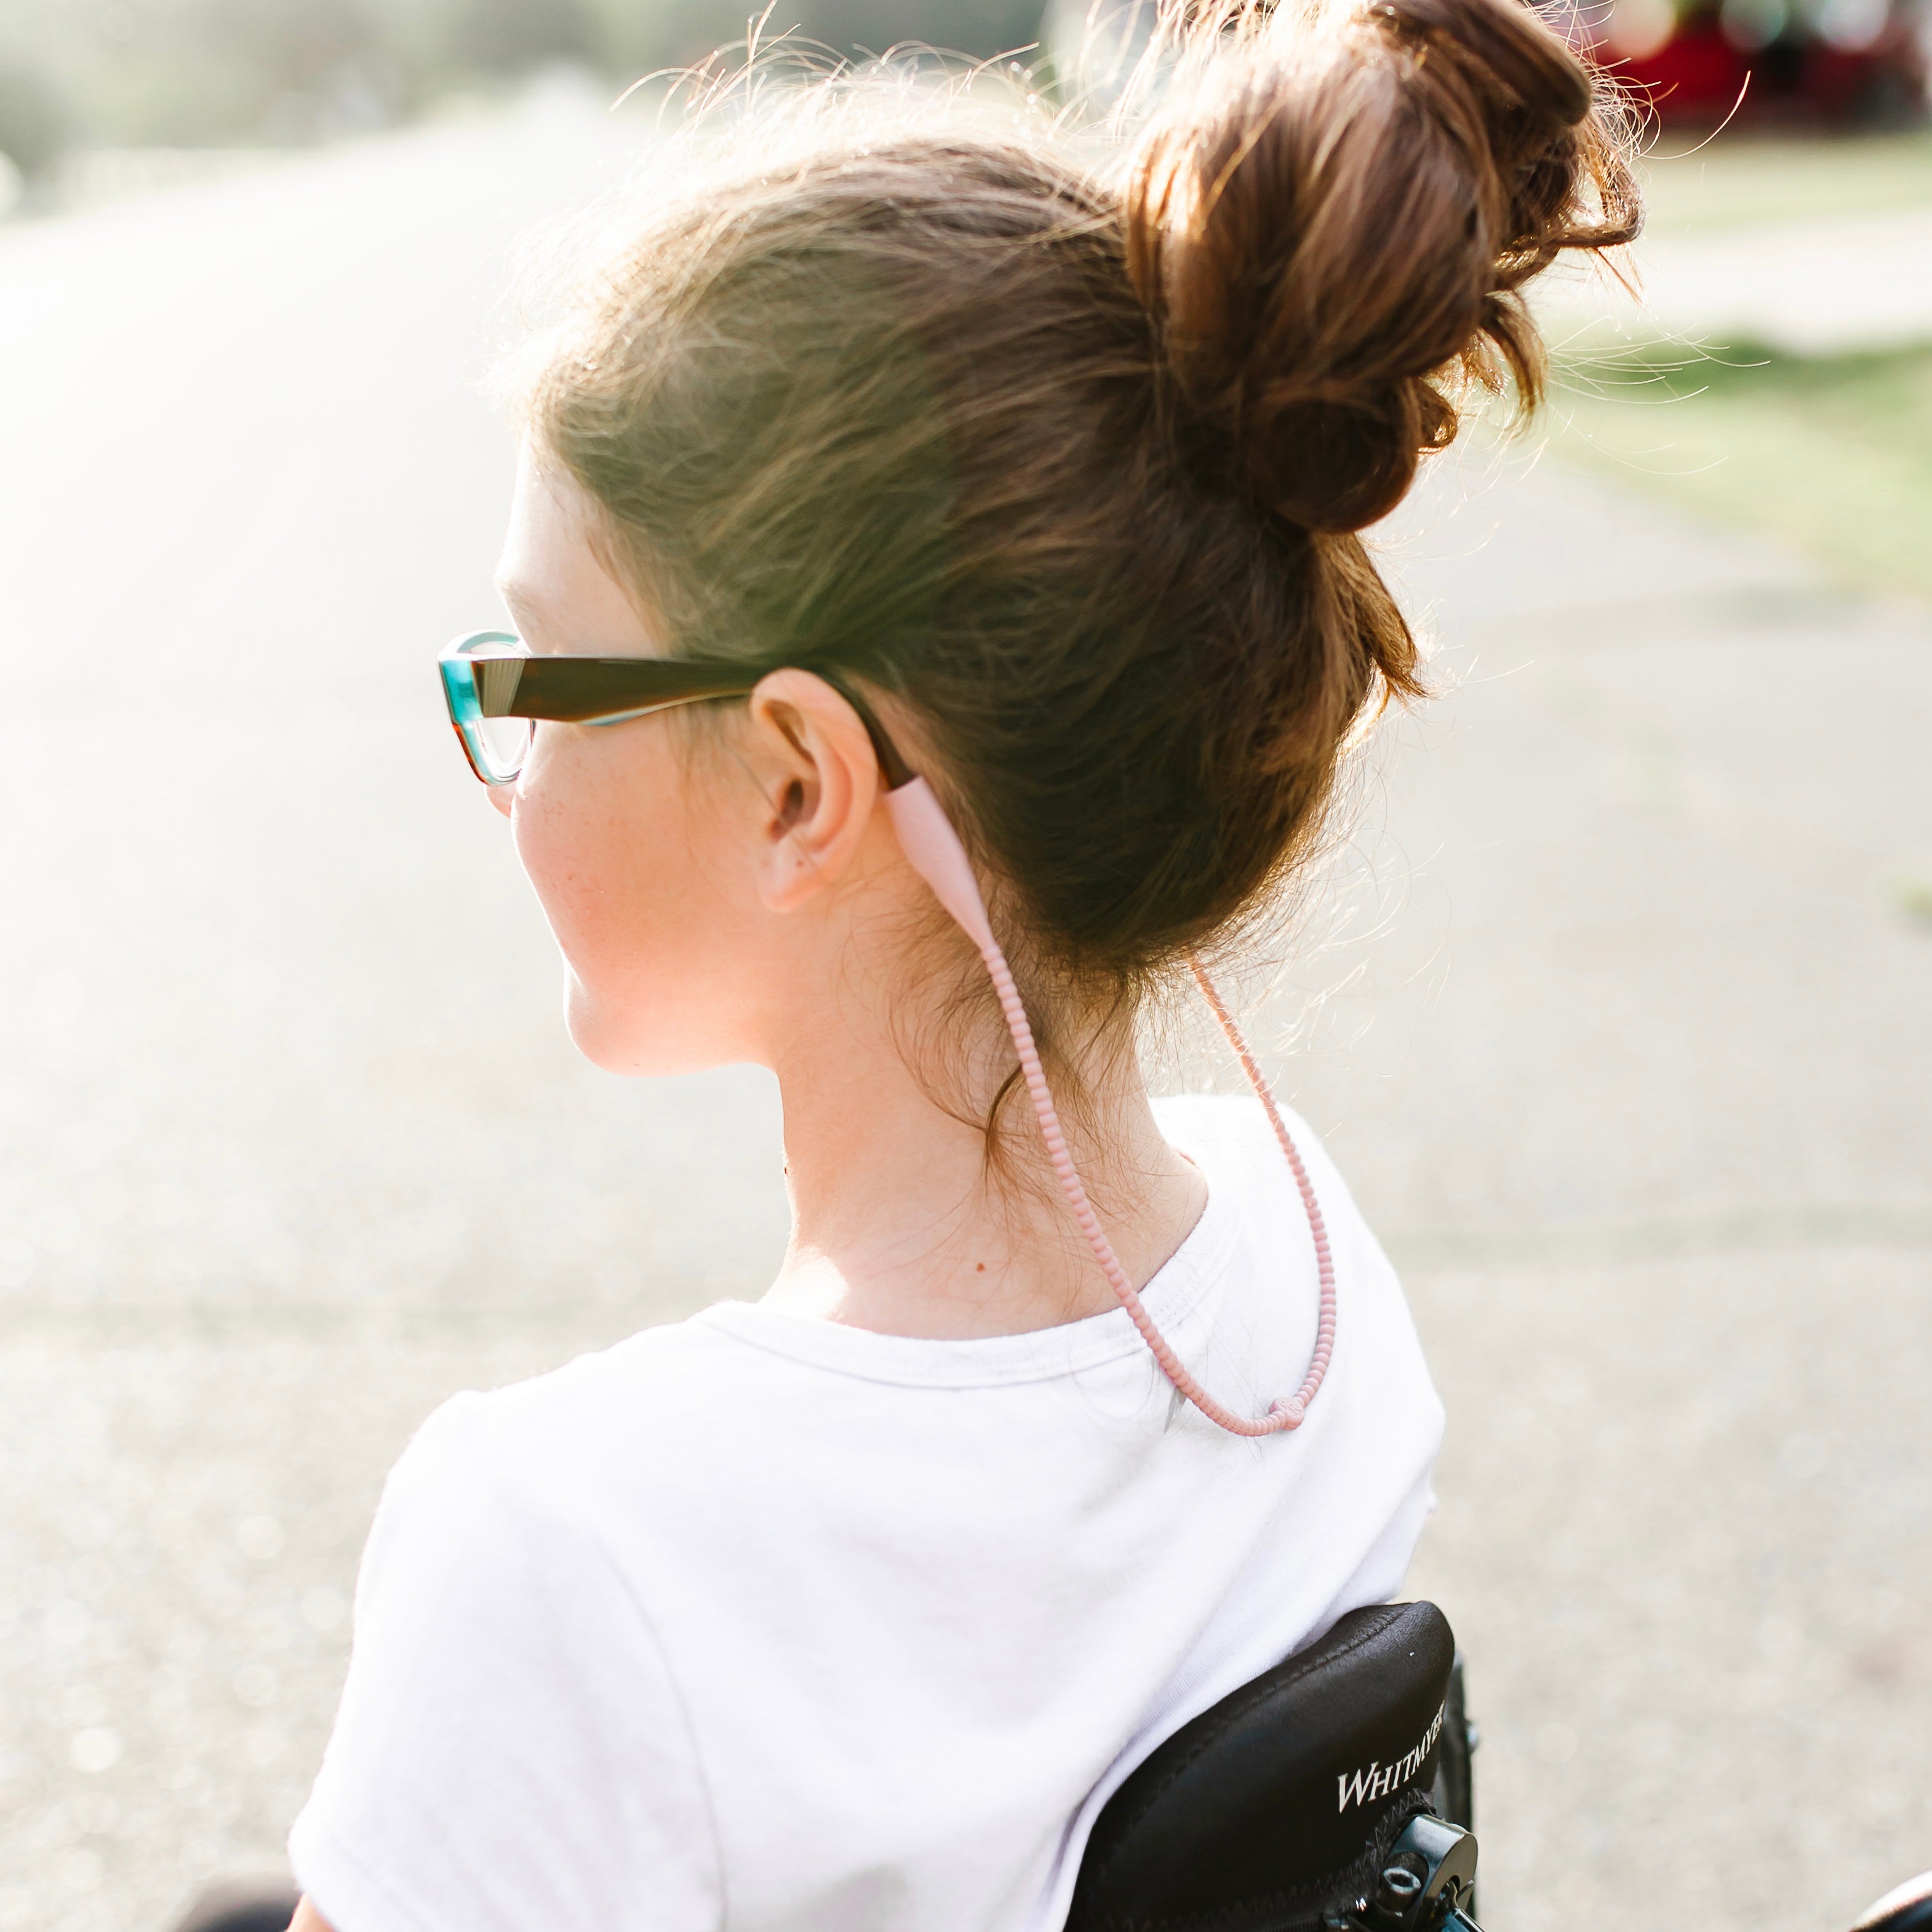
936 853
490 680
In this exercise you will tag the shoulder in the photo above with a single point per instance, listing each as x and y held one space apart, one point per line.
615 1463
528 1441
473 1768
1234 1143
1221 1120
1232 1122
1230 1138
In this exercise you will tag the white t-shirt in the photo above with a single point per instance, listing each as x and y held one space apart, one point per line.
766 1623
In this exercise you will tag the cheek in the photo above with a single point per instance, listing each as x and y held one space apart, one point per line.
576 861
604 832
592 831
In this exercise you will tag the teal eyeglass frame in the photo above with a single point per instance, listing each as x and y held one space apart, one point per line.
494 674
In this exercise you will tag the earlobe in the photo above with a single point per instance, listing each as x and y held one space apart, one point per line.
819 776
786 877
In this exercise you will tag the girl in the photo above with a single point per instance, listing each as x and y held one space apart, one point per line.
934 567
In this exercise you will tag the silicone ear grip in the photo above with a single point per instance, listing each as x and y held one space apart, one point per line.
934 850
926 835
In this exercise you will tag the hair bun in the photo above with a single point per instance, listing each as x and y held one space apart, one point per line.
1332 225
1524 59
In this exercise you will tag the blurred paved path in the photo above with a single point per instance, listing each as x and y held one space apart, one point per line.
292 1145
1818 286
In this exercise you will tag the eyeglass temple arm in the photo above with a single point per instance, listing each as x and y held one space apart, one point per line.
581 691
893 767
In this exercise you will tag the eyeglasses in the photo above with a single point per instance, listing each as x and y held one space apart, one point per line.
497 690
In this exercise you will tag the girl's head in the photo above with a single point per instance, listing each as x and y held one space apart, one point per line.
1063 462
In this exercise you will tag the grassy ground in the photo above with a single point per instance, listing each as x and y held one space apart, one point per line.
1832 453
1734 180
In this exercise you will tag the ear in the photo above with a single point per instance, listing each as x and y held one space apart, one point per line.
819 778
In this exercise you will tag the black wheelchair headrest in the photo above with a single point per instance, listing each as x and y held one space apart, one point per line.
1907 1909
1284 1796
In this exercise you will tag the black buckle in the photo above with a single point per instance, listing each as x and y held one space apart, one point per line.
1428 1878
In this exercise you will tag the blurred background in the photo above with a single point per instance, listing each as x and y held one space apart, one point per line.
1618 1009
77 78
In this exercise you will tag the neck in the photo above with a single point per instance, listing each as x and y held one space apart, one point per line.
902 1224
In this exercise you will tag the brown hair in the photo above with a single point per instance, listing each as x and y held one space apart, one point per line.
1070 457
